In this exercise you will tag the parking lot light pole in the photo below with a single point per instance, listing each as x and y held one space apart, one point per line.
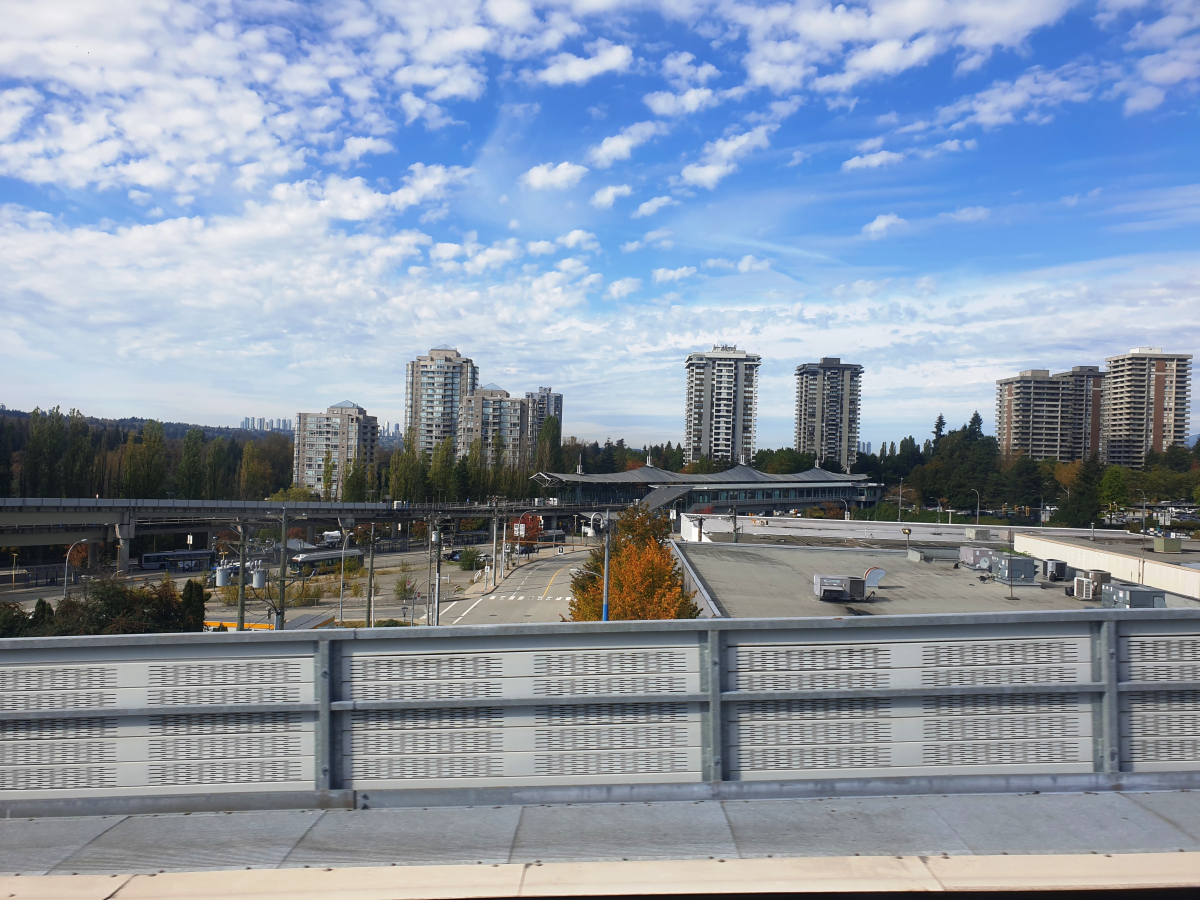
978 500
241 529
607 534
67 565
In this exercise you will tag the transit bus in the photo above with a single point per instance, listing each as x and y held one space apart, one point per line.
314 559
178 560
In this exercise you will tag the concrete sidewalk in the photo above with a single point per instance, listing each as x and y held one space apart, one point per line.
922 826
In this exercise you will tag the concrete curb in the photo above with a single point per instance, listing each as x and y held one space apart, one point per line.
648 877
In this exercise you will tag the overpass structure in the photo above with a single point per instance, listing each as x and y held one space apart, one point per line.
54 521
714 709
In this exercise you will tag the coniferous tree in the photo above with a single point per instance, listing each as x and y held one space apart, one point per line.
145 464
327 477
190 477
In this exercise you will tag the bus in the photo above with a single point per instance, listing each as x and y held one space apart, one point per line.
178 560
314 559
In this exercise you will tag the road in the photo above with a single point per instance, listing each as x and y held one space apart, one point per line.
538 591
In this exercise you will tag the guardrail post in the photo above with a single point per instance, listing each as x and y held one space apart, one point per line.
1111 703
323 742
713 740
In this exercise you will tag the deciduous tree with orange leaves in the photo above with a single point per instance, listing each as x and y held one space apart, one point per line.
644 581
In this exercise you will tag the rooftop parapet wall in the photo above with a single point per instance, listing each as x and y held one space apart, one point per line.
1123 564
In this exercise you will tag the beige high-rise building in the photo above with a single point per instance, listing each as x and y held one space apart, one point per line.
499 421
345 431
1145 405
828 395
436 386
722 405
1050 416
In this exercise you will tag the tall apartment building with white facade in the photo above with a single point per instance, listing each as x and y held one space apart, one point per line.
542 405
345 431
500 422
720 419
828 396
436 386
1145 404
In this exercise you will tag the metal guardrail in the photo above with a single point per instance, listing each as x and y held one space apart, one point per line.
1092 698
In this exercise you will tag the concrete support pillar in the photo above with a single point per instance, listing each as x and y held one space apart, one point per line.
93 554
125 535
311 535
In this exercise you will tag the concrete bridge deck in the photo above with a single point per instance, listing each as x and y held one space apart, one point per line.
890 843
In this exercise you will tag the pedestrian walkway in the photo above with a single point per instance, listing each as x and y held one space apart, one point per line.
920 826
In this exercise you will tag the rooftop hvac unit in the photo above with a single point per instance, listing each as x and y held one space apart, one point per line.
1054 569
978 534
839 587
1132 596
1085 588
976 557
1099 576
1016 570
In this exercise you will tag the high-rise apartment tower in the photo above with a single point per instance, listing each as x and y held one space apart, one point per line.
542 405
1050 416
499 422
435 388
345 431
722 405
1145 405
827 403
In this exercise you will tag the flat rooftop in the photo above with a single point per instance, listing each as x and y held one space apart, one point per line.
759 580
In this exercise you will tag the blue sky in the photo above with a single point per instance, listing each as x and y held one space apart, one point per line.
211 210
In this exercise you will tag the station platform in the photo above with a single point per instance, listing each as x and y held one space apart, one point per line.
971 841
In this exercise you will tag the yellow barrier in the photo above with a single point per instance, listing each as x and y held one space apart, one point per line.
232 626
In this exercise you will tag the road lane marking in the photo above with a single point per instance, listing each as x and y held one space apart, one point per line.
551 581
468 610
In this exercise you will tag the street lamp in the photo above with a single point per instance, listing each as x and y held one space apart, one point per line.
1041 510
67 564
607 533
978 500
1143 493
342 586
900 502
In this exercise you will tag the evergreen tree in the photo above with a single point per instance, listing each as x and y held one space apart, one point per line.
326 477
7 439
549 457
41 468
192 599
78 458
441 471
1083 506
354 484
939 430
975 427
190 476
407 473
829 464
214 470
145 464
254 476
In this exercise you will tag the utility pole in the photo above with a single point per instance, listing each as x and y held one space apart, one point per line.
900 502
437 584
371 582
607 535
241 626
495 528
280 616
735 540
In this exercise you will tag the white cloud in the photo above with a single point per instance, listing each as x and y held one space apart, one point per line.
354 148
664 275
872 160
566 68
607 196
623 287
540 248
678 69
659 237
650 207
717 159
584 240
750 264
798 156
664 103
968 214
880 225
719 263
548 175
419 108
622 144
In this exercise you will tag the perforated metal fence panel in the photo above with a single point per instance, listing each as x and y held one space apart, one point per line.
671 703
582 714
148 729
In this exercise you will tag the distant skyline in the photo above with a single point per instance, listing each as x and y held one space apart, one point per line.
208 209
